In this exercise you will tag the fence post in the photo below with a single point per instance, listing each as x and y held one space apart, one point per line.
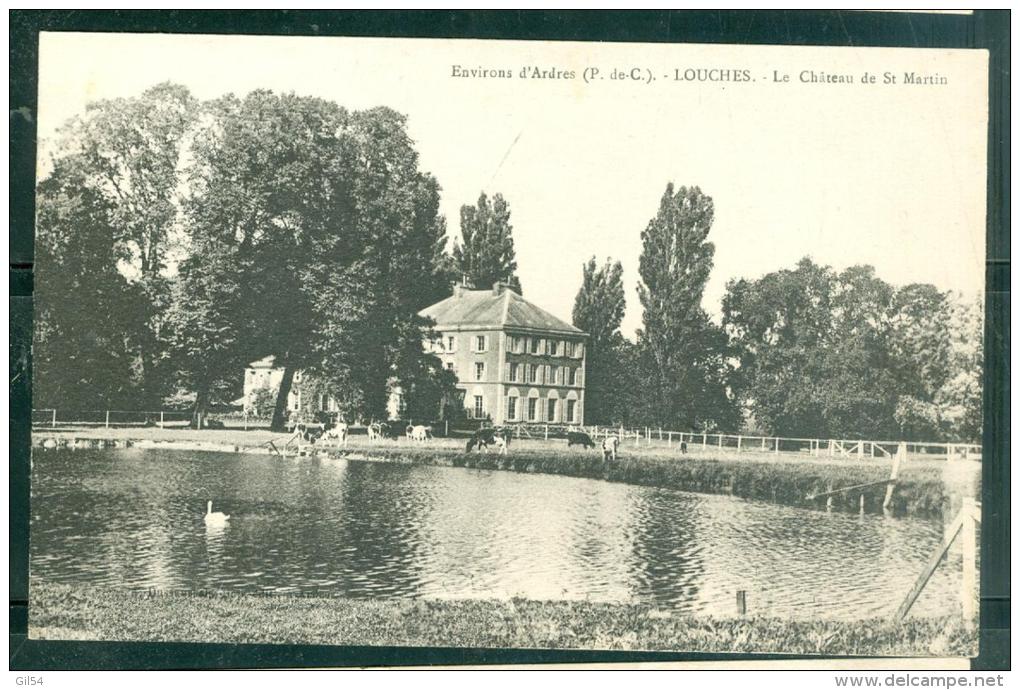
832 449
968 585
704 441
546 432
53 423
901 451
161 419
107 419
720 440
669 439
763 444
777 445
660 433
740 441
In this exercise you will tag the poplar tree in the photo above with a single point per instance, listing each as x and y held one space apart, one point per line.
485 254
684 354
598 311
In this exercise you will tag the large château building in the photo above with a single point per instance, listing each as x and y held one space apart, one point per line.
514 362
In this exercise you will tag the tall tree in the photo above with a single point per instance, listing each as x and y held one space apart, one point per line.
270 179
485 254
85 309
685 353
369 329
598 311
335 233
128 151
844 354
960 397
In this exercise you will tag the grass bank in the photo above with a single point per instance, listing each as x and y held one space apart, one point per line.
920 490
781 478
73 612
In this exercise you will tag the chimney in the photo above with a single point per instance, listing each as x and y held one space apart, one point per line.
500 286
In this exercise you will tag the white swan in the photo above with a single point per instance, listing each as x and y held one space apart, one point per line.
212 518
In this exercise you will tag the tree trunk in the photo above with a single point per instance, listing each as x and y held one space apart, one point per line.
198 413
280 411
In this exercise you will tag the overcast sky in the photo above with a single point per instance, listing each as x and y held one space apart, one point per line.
889 175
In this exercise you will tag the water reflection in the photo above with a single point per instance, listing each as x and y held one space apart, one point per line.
133 518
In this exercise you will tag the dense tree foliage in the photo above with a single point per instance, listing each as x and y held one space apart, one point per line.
598 311
485 254
84 352
305 232
684 356
844 354
111 199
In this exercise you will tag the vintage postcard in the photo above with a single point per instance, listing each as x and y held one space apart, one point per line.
508 344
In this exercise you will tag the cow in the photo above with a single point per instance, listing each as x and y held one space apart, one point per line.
683 447
579 438
483 438
374 432
610 444
339 433
304 433
420 433
311 433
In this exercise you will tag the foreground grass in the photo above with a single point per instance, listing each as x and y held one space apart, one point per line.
780 478
73 612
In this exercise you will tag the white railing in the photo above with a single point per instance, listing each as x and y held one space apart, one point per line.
638 436
107 419
745 443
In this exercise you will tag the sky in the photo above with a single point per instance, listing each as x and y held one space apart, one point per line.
891 175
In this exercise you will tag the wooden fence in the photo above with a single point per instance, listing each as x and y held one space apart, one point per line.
719 443
742 443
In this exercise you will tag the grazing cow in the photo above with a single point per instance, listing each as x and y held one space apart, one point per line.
609 447
483 438
311 433
374 432
339 433
579 438
420 433
683 447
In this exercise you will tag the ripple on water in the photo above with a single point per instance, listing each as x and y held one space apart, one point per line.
132 518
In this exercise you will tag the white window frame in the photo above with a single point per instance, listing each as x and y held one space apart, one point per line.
571 411
479 371
451 343
512 370
511 408
553 346
550 409
533 413
478 409
553 374
484 343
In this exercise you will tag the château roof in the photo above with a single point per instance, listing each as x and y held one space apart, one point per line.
495 308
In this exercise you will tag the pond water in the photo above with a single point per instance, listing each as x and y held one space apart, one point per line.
133 519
